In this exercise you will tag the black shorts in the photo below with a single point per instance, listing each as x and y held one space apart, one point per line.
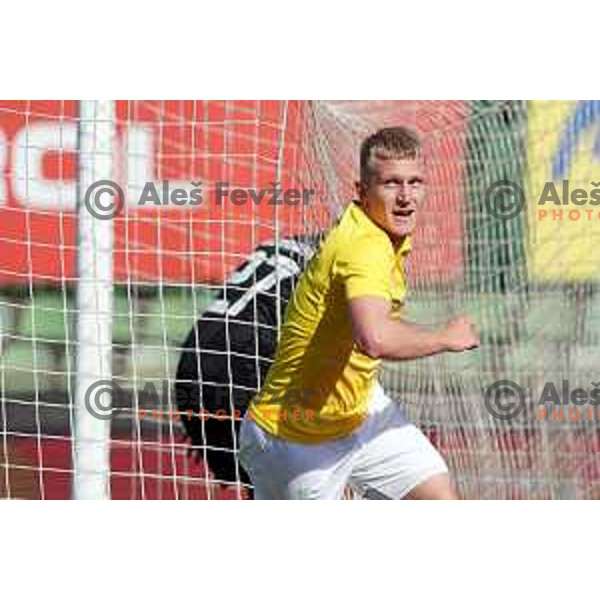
222 366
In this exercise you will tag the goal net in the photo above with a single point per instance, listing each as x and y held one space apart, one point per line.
183 245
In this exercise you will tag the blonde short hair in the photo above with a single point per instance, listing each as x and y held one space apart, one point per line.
389 143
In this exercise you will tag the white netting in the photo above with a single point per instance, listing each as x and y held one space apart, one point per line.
529 282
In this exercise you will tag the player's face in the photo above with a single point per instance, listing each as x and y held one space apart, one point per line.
393 194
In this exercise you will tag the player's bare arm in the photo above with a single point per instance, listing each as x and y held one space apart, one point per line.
348 301
379 335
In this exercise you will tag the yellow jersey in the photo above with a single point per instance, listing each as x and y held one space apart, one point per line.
319 384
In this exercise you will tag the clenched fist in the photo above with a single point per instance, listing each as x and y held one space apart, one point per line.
461 334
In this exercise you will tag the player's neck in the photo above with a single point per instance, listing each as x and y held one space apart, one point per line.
397 241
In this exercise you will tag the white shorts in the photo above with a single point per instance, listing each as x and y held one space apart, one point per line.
385 458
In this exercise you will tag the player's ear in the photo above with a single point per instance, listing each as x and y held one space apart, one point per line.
361 189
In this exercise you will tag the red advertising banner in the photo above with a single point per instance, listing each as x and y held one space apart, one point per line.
248 145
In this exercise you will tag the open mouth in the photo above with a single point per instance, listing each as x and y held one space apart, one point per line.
403 213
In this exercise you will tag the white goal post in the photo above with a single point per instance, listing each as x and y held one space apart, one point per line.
93 359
